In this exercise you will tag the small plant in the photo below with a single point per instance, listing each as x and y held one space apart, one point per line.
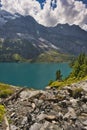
5 90
5 93
2 112
77 92
50 82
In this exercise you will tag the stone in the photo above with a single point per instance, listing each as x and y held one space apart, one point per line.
24 121
12 115
38 110
33 105
84 107
29 117
13 127
41 117
36 126
84 128
84 123
70 114
74 102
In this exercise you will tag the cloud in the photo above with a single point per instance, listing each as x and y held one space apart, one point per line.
53 12
24 7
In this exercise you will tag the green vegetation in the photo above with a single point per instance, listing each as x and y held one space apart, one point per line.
76 92
2 112
79 72
21 50
79 67
5 90
53 56
58 75
17 58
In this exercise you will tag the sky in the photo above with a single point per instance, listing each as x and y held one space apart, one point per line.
50 12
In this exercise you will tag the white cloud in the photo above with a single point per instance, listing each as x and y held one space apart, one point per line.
66 11
24 7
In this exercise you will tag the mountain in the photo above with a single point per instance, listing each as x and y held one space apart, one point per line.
4 17
21 38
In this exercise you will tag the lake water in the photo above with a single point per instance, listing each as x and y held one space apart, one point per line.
36 75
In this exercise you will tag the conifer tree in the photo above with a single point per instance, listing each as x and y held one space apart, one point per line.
58 75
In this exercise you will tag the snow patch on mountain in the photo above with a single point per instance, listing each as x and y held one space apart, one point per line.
5 16
47 44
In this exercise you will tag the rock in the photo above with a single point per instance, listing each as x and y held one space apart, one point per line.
84 99
41 117
12 115
64 103
70 115
74 102
84 123
54 127
85 86
60 116
33 105
84 128
84 107
51 117
13 127
49 110
48 88
29 117
39 103
24 121
36 126
24 95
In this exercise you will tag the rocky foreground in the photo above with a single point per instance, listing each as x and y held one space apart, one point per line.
52 109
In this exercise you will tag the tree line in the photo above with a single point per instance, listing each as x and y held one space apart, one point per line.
79 68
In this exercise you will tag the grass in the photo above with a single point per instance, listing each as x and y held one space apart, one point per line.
2 112
6 90
69 81
53 56
77 92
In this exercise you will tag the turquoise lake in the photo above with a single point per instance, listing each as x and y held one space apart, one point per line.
36 75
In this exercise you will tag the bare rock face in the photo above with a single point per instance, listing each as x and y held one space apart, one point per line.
51 109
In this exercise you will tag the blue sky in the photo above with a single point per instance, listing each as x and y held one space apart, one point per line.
42 1
84 1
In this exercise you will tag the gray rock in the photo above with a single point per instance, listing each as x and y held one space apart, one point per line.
74 102
84 107
71 114
24 121
85 128
41 117
84 123
13 127
33 110
36 126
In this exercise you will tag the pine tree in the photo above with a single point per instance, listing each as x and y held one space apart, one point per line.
58 75
80 67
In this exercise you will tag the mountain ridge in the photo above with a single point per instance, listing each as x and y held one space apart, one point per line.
24 35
